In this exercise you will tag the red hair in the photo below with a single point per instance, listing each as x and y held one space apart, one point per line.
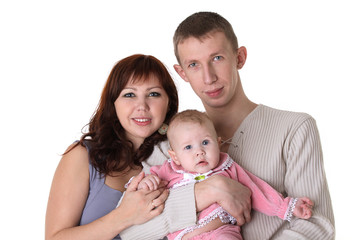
109 149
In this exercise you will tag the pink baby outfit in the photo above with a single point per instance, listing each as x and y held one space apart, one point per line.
265 199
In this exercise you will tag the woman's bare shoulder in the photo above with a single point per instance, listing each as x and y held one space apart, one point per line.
75 158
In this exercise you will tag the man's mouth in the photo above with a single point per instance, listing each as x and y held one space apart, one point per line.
214 93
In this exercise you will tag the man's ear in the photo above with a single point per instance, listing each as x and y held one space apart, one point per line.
180 71
241 55
173 157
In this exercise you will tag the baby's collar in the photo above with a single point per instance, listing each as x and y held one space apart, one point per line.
224 163
197 176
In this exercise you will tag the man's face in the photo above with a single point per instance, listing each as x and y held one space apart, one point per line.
211 66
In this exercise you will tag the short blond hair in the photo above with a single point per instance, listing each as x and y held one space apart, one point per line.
189 116
200 25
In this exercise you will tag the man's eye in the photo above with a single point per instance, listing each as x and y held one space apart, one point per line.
217 58
191 65
154 94
205 142
187 147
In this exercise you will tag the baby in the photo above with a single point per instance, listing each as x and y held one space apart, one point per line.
195 155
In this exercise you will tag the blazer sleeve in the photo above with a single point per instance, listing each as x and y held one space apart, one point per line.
305 176
264 198
179 212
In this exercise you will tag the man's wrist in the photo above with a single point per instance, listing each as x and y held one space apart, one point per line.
207 192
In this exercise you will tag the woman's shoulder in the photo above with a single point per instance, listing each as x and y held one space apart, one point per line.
72 171
76 150
75 158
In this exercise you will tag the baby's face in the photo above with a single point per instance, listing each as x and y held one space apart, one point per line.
196 146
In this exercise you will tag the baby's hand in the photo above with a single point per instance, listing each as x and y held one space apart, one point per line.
150 182
303 208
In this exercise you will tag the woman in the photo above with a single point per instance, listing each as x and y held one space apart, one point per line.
139 96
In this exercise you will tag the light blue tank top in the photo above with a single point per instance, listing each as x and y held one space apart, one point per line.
101 199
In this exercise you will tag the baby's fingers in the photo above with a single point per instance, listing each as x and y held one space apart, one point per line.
307 201
154 182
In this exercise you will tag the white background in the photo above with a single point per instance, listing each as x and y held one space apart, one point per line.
55 57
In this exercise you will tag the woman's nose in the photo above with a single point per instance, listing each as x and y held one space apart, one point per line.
142 105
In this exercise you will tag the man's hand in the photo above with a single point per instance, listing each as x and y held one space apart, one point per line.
230 194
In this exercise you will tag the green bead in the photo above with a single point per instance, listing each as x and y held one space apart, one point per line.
201 177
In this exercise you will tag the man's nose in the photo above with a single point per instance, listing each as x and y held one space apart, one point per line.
209 74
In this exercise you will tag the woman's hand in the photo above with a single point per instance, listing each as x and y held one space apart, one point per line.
139 206
230 194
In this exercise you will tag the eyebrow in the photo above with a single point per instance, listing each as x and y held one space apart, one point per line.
148 89
216 53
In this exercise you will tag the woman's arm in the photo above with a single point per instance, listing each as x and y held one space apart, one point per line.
67 199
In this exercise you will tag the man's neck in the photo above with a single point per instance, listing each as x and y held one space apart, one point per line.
227 119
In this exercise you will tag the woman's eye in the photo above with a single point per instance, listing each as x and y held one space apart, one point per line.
187 147
129 95
154 94
205 142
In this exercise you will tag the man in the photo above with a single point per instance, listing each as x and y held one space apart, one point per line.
283 148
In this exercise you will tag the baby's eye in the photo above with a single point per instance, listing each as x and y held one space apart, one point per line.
205 142
154 94
128 95
187 147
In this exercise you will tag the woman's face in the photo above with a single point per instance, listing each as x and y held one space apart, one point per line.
141 109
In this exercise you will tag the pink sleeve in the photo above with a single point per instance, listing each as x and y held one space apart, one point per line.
154 170
162 171
265 199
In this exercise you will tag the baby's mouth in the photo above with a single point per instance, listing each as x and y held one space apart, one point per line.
202 163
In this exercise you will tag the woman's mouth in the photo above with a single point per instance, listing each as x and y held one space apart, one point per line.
142 121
